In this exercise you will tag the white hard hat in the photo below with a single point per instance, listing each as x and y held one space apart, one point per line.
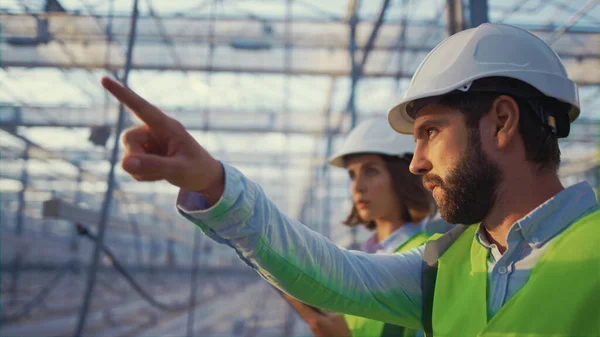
490 50
374 136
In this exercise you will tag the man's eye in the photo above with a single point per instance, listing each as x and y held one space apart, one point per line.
431 132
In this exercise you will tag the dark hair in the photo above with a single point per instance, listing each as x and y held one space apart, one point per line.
541 145
407 186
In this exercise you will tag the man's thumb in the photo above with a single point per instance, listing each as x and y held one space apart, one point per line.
146 165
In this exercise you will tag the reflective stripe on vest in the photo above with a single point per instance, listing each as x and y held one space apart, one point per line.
364 327
560 298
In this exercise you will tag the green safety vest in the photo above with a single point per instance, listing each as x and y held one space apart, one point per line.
364 327
561 296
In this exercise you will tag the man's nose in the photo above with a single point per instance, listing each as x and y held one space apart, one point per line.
419 165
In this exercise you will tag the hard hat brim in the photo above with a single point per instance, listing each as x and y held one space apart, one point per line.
553 86
399 119
337 160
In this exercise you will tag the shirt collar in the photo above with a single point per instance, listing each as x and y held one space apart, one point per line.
399 237
551 217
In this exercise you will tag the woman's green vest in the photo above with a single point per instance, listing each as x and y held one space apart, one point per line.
364 327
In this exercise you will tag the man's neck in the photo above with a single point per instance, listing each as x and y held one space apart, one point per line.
518 196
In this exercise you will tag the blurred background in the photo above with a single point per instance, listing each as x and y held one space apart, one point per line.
270 87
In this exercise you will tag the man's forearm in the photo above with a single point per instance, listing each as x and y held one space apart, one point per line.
303 263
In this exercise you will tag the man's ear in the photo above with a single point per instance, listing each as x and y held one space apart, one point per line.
504 115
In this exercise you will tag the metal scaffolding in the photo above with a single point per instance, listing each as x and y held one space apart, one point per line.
270 87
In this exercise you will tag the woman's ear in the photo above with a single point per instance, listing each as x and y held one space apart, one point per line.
504 115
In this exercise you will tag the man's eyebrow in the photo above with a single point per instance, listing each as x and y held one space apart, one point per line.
435 122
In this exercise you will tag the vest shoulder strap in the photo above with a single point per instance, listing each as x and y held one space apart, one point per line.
433 250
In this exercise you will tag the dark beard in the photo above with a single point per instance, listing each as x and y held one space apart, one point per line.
470 190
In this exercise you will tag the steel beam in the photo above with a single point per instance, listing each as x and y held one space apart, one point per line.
15 63
454 17
326 230
239 158
373 36
104 215
14 284
78 198
291 130
351 106
304 44
433 23
85 117
587 15
357 69
354 66
24 182
388 73
572 21
193 285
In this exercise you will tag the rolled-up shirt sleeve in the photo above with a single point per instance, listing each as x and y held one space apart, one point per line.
305 264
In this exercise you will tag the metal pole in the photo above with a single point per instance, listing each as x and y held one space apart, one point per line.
24 182
287 62
326 230
193 285
478 12
356 71
355 68
14 286
91 280
371 41
454 16
78 196
351 104
206 118
572 21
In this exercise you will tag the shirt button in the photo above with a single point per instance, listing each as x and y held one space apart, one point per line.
502 270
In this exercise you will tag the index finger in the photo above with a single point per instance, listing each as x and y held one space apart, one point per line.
148 113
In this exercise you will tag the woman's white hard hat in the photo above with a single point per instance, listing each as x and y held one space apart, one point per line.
374 136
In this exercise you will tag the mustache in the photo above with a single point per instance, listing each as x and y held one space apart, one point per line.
434 179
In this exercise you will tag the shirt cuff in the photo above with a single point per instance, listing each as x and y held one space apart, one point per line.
234 206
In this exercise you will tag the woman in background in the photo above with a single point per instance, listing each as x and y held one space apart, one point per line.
388 200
